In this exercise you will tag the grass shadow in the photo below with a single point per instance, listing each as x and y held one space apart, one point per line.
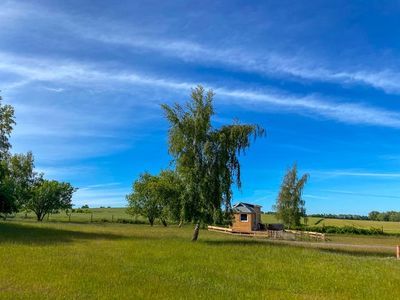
28 234
357 252
319 221
384 253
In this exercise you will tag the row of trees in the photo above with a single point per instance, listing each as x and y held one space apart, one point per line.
340 216
206 164
21 187
393 216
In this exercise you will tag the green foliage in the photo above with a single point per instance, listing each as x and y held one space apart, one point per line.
206 158
81 211
289 204
7 122
7 199
169 192
391 216
20 186
339 216
8 204
48 196
343 230
127 221
156 197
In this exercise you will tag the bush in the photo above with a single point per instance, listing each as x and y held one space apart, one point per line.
342 230
82 211
127 221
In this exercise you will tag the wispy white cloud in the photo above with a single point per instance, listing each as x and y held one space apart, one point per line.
60 172
105 195
79 74
356 193
55 90
270 62
101 185
352 173
310 196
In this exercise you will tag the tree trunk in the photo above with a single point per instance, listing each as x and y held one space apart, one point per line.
196 232
180 223
164 222
151 221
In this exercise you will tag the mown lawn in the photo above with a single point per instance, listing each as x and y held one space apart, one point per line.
114 261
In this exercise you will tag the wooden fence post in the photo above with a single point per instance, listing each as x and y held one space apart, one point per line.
398 251
91 217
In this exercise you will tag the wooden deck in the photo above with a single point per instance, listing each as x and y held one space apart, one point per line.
274 234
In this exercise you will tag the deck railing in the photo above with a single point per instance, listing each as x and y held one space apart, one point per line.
275 234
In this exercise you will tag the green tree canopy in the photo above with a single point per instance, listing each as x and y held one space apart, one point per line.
143 200
156 197
290 206
7 200
48 196
206 158
7 122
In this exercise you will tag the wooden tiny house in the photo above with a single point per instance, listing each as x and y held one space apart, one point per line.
247 217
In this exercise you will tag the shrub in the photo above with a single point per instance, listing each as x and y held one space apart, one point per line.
342 230
82 211
127 221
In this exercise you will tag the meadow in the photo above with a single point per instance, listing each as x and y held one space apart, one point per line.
388 227
115 214
57 260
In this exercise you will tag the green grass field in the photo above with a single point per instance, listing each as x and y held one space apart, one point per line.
113 214
114 261
94 214
388 227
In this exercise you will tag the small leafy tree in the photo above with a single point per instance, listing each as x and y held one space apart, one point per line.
143 199
157 197
48 196
290 206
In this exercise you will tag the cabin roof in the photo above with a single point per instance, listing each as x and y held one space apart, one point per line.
245 208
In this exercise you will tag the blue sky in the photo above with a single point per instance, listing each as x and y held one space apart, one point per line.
323 78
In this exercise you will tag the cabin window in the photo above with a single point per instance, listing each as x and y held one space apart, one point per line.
243 217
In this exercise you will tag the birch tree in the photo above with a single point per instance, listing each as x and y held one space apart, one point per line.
206 158
290 206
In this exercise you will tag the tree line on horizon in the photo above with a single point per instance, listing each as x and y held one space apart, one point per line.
21 187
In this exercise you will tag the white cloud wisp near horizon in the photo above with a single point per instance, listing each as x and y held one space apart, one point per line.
72 73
